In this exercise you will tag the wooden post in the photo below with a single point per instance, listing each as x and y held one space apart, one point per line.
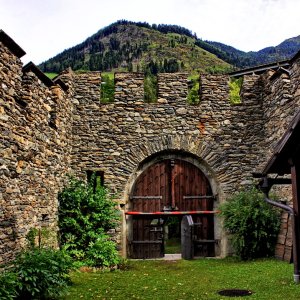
173 200
295 173
187 232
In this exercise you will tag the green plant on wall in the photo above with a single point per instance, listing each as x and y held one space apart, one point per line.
150 88
193 90
85 215
253 224
235 85
31 237
107 88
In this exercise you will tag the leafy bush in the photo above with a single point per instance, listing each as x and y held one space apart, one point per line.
252 223
42 273
86 213
103 253
9 285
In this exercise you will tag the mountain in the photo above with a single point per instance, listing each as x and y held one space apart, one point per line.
285 50
130 46
138 46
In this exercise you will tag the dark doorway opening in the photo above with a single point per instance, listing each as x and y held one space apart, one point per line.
172 235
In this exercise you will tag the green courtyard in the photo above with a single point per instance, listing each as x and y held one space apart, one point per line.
197 279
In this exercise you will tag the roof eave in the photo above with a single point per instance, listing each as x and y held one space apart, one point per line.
260 69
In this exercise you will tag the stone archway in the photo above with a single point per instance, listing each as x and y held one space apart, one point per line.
177 183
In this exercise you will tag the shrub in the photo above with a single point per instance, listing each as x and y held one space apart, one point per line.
85 214
103 252
252 223
42 273
9 285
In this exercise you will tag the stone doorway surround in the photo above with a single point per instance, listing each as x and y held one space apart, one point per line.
221 246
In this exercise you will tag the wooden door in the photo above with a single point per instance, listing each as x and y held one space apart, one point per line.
147 237
170 186
193 193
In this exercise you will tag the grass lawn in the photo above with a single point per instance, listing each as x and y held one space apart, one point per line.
51 75
173 245
197 279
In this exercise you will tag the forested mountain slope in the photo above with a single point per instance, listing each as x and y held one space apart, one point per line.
138 46
128 46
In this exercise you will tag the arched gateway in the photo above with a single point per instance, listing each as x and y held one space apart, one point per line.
167 190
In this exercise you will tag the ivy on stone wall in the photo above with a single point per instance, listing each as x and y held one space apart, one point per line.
150 88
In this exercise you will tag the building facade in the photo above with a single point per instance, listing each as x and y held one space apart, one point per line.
161 159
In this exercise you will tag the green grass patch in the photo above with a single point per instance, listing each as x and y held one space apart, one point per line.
173 245
51 75
110 75
197 279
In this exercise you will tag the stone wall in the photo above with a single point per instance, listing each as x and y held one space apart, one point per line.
295 82
232 141
117 138
280 105
35 126
49 129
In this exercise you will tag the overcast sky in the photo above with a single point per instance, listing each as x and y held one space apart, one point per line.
44 28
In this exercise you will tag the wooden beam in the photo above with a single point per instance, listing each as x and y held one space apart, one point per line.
165 213
295 173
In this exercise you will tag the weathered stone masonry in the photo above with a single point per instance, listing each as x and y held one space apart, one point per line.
49 129
117 138
35 126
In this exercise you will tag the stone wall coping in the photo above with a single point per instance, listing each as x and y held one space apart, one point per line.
135 73
61 84
11 44
31 67
279 72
